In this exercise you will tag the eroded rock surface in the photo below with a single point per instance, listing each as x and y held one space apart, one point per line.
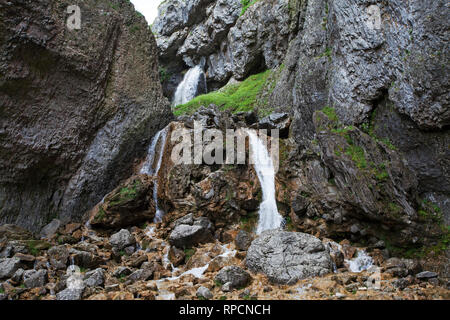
286 257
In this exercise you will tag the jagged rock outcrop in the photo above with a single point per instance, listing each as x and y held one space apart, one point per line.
129 204
220 37
77 105
379 64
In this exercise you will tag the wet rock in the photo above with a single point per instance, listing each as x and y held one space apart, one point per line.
205 293
184 236
122 239
34 279
94 278
286 257
58 257
8 266
235 276
176 256
50 230
243 240
425 275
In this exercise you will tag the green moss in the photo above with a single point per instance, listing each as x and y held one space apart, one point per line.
125 194
330 113
247 4
249 222
235 97
100 215
358 156
431 212
188 253
36 246
164 75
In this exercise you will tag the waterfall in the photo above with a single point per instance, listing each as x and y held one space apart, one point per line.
149 169
188 89
269 218
361 262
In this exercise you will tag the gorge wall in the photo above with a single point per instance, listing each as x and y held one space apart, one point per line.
381 65
77 106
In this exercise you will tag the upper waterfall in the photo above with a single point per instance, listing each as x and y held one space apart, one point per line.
194 83
269 218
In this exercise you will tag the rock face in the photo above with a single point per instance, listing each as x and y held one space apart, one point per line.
216 35
286 257
379 65
77 106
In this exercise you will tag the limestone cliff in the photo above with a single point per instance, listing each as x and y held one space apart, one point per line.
77 106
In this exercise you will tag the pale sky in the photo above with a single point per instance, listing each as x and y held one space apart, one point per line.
149 8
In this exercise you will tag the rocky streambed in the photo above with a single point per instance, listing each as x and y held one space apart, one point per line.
140 263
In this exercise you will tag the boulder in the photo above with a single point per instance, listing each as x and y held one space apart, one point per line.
85 259
205 293
184 236
127 205
122 239
50 229
69 294
121 271
286 257
235 276
8 266
58 257
176 256
243 240
94 278
35 279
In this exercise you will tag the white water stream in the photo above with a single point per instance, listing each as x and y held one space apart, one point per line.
269 217
188 88
149 167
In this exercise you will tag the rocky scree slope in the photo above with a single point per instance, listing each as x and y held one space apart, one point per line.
76 106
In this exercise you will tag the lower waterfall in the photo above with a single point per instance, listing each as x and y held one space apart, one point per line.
149 167
269 218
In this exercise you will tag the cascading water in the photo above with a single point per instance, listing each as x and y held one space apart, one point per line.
149 169
361 262
189 88
269 218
